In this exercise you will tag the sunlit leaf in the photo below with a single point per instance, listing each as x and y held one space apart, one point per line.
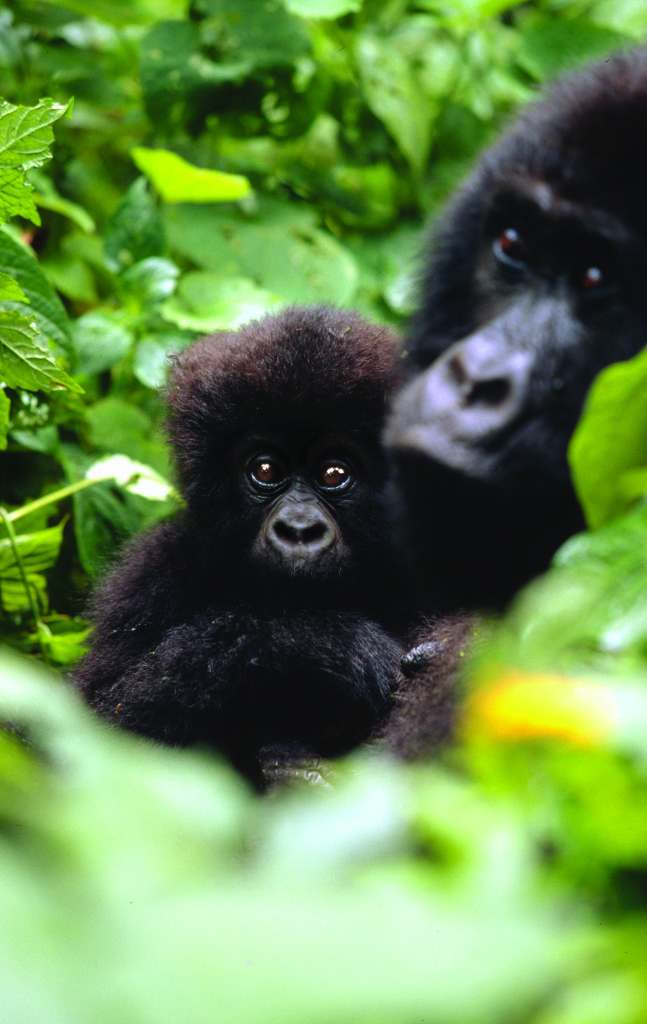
178 181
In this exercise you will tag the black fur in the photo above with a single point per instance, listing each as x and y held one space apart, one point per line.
268 614
512 330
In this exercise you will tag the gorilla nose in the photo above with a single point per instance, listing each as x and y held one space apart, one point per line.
472 392
480 383
475 389
294 533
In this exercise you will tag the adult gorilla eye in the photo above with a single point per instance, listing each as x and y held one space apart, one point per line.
334 476
266 472
510 247
592 278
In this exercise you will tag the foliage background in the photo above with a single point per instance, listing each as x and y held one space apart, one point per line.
507 884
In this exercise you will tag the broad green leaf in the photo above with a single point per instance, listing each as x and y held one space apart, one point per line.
115 425
176 75
552 45
38 551
10 290
5 408
396 98
133 476
125 12
206 301
135 231
322 8
144 286
44 304
46 197
25 136
100 341
281 249
259 32
24 360
151 356
608 451
178 181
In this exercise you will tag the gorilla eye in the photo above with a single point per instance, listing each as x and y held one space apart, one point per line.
592 278
334 476
265 471
510 247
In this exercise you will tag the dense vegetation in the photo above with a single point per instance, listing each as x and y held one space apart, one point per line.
508 883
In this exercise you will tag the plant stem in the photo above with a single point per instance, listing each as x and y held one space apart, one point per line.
41 629
50 499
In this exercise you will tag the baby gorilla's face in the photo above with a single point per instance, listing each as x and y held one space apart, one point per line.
296 495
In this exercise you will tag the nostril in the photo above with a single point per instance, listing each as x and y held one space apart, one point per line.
290 534
493 393
458 372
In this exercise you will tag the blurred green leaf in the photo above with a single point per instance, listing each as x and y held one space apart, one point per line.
150 362
281 249
38 551
549 46
322 8
206 301
608 451
177 181
100 341
394 95
263 35
135 231
5 409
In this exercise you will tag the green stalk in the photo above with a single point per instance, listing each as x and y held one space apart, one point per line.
50 499
41 629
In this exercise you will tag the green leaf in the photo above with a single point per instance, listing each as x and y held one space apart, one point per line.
609 446
281 249
100 341
134 477
552 45
124 12
24 361
44 305
136 230
25 136
46 197
259 32
396 97
178 181
151 356
206 301
322 8
5 409
144 286
38 551
10 290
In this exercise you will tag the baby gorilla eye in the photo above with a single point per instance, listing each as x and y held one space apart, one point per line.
266 471
510 248
334 475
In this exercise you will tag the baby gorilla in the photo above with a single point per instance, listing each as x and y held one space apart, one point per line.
264 618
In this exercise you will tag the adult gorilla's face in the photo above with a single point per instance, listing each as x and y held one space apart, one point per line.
534 283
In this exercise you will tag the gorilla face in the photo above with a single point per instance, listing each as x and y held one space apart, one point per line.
533 284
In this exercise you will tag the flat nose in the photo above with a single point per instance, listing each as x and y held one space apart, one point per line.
477 387
298 530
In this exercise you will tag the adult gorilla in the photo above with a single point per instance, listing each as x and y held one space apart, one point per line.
534 281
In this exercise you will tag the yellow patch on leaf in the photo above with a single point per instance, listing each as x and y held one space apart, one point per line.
528 705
